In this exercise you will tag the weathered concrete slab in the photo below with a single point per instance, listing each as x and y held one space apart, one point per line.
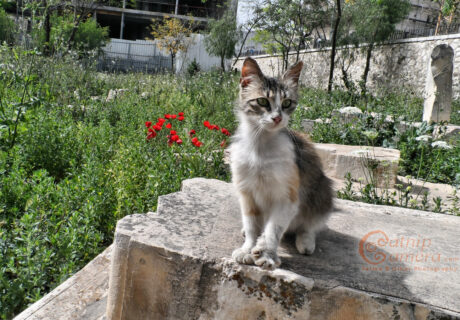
371 164
82 296
373 262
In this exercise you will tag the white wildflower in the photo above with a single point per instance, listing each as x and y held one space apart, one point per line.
441 145
424 137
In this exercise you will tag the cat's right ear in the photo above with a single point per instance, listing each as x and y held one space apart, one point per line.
249 72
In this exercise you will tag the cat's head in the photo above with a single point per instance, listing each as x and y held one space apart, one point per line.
267 103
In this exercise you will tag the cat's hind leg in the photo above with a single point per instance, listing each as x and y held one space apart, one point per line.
305 241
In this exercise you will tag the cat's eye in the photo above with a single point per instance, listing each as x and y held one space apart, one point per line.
263 102
286 103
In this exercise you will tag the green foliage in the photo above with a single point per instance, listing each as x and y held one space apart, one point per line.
222 38
172 35
7 28
418 157
369 22
79 163
289 24
89 35
193 68
374 21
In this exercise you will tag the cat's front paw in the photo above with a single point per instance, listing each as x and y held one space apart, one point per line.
265 259
242 255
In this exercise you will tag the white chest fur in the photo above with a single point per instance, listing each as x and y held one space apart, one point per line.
264 168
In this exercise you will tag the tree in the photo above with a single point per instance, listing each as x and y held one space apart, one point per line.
7 28
222 38
289 24
173 36
447 9
247 28
44 12
373 22
334 44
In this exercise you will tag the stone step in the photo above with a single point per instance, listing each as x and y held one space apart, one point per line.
369 164
372 262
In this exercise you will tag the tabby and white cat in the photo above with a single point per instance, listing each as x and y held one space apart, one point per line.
276 172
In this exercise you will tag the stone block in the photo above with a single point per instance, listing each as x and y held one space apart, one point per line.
348 114
446 132
438 101
308 124
370 164
372 262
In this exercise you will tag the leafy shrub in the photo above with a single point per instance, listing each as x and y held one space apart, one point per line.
89 35
7 28
79 164
193 68
419 158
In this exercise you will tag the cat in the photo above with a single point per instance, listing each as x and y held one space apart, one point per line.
276 172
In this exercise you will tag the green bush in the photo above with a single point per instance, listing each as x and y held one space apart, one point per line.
420 159
7 28
80 163
89 35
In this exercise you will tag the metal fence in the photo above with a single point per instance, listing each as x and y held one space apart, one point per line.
425 32
138 56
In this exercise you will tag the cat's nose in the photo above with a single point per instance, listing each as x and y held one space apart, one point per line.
277 119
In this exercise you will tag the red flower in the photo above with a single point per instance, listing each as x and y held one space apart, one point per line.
157 127
194 140
192 132
198 144
168 126
180 118
167 116
148 124
173 132
173 116
151 135
223 143
174 137
181 114
225 131
161 120
206 124
215 127
179 141
159 124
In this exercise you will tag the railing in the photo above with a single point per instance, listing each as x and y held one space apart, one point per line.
128 56
425 32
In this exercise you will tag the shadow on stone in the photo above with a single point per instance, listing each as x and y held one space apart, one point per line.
337 261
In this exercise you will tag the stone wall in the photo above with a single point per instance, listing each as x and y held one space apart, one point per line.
401 63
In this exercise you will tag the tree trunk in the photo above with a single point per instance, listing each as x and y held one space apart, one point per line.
47 27
72 35
333 49
346 79
222 63
366 69
438 24
172 62
244 41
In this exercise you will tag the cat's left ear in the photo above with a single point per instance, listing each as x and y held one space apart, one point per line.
293 73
